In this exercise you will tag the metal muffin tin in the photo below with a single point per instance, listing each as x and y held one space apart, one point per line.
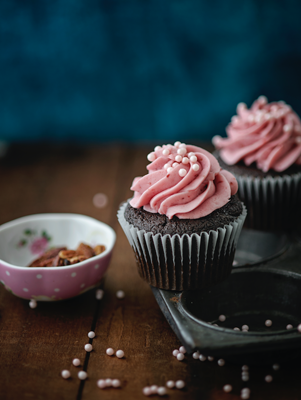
265 284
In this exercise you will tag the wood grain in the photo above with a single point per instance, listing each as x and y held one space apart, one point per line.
35 345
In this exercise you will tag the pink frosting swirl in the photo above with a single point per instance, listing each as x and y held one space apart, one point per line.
267 133
183 180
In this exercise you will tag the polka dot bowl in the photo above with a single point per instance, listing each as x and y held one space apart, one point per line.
25 239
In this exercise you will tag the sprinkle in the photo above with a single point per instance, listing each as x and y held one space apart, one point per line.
120 294
157 148
177 144
147 391
193 159
195 167
245 327
236 329
101 383
119 353
109 382
65 374
154 389
151 157
210 358
82 375
182 151
99 294
268 322
268 378
299 328
180 384
202 358
227 388
182 172
169 170
116 383
76 362
165 152
182 350
185 160
222 318
175 353
276 367
33 303
180 357
287 128
289 326
221 362
91 335
161 391
110 351
170 384
88 347
196 355
178 158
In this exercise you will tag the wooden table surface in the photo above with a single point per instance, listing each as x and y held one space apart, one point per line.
37 344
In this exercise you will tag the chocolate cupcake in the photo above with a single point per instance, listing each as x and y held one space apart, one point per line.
184 220
263 152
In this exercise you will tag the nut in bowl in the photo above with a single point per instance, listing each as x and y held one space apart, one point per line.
25 239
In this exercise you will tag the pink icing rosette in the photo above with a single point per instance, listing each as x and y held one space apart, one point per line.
183 180
267 133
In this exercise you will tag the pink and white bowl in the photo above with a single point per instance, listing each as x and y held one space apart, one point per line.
26 238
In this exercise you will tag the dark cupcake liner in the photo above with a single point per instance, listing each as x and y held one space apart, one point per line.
184 262
273 203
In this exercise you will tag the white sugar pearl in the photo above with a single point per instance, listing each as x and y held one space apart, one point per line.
88 347
182 146
99 294
180 384
268 322
192 153
263 99
245 368
101 383
116 383
289 326
119 353
245 390
161 391
157 148
227 388
175 353
177 144
202 358
91 334
178 158
180 356
109 382
147 391
120 294
245 396
241 105
221 362
196 355
268 378
185 160
245 327
245 378
210 358
169 170
276 367
151 157
76 362
175 164
65 374
267 116
182 151
165 152
236 329
170 384
110 351
195 167
222 318
166 166
182 349
33 303
287 128
193 159
82 375
154 389
182 172
251 118
299 328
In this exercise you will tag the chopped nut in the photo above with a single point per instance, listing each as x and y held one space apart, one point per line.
67 254
46 260
100 248
85 250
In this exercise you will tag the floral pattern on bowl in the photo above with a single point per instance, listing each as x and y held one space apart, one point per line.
37 243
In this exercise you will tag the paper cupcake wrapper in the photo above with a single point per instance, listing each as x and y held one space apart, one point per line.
183 262
273 203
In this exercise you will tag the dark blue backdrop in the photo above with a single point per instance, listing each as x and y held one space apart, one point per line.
142 70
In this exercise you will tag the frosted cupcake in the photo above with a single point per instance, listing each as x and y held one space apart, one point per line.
184 220
263 151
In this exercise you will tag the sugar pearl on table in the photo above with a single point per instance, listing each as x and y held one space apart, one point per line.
119 353
182 172
110 351
245 368
245 328
178 158
180 384
91 335
222 318
245 394
268 378
276 367
289 326
196 355
170 384
210 358
268 322
65 374
227 388
76 362
120 294
165 152
299 328
161 391
108 382
101 383
182 349
33 303
116 383
151 157
99 294
175 353
245 378
88 347
180 357
221 362
236 329
147 391
154 389
82 375
202 358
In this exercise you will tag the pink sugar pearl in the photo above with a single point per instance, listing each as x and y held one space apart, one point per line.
76 362
119 353
65 374
110 351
